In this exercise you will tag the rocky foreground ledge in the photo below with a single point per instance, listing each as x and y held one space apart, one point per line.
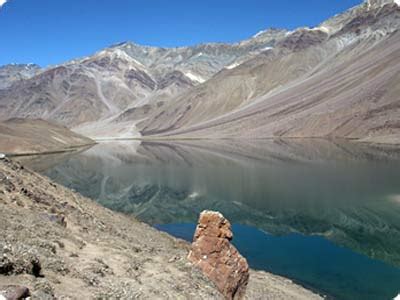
55 243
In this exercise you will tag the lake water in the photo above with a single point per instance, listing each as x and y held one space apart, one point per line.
323 213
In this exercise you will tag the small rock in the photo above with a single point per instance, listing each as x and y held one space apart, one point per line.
213 253
2 156
56 218
14 292
20 203
173 259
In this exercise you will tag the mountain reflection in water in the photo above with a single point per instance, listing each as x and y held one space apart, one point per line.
340 199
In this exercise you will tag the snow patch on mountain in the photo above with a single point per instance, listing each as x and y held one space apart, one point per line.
258 34
323 29
266 48
234 65
194 77
198 54
120 54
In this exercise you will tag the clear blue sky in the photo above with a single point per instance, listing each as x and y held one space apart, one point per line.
53 31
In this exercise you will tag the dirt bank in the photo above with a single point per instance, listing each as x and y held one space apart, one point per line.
25 136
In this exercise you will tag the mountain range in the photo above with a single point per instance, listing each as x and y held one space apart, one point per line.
340 79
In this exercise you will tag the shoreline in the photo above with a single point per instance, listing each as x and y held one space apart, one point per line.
372 141
94 246
57 151
83 147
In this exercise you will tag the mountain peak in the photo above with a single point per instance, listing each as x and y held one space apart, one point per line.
268 31
379 3
14 72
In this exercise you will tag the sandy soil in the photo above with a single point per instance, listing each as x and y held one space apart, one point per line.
60 244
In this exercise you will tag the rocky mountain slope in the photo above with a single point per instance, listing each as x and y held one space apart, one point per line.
21 136
61 245
16 72
339 79
122 84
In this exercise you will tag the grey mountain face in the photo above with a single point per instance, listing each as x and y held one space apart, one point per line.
340 79
337 79
123 82
200 62
379 3
16 72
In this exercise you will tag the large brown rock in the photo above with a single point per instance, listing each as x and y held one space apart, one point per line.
220 261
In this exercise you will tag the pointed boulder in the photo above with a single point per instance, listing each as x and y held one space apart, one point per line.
217 258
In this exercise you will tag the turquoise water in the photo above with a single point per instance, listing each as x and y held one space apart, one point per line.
325 214
313 261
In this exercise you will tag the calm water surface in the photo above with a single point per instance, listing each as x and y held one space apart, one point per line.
326 214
